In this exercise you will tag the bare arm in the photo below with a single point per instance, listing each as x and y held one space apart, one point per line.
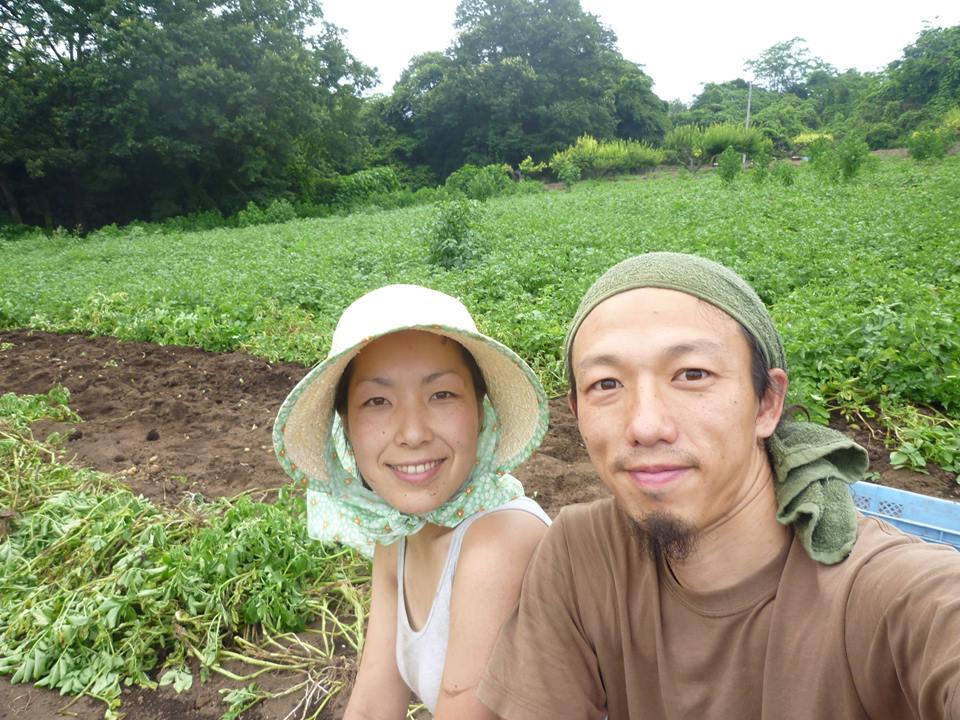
486 587
379 693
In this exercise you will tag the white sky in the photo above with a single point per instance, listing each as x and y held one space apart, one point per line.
680 44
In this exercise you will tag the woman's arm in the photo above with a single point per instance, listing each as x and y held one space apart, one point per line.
379 693
486 586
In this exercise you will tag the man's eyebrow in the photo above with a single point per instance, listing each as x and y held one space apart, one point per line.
708 347
593 360
705 346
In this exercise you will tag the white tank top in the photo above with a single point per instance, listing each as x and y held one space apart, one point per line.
421 654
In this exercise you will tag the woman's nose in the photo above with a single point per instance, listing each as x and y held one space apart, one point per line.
413 427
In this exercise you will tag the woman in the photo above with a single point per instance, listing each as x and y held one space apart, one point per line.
405 435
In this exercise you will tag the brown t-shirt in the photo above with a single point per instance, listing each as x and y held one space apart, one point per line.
601 628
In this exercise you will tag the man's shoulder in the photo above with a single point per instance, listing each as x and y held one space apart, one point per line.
883 548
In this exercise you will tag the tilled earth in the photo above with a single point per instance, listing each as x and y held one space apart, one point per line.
173 420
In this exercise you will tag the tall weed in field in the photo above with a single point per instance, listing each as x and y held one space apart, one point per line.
453 238
729 165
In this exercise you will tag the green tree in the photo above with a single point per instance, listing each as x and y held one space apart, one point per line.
523 77
158 108
915 90
784 67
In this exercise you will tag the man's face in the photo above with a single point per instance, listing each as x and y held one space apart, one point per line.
666 406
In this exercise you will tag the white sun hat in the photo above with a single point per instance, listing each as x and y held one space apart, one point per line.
301 432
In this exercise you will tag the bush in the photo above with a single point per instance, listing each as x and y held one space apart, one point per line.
566 170
785 172
355 190
692 145
588 157
528 168
951 122
928 144
760 166
684 145
453 238
480 183
851 153
805 140
277 211
728 165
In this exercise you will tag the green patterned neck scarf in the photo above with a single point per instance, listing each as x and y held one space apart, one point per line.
341 509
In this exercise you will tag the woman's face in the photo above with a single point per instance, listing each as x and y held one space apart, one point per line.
413 419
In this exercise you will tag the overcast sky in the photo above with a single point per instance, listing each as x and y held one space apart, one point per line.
680 44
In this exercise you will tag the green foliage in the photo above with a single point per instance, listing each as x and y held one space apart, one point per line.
480 183
693 146
589 157
114 112
453 238
785 172
276 212
927 144
851 152
521 78
837 161
103 589
729 165
951 122
917 89
357 189
869 319
528 168
760 166
784 67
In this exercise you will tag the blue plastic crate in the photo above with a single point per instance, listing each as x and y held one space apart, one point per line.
930 518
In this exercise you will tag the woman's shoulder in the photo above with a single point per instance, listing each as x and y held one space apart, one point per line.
507 536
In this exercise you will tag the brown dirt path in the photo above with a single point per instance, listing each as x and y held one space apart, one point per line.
173 420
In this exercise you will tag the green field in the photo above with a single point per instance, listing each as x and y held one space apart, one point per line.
862 278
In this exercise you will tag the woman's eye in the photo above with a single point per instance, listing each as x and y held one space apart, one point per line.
444 395
606 384
375 402
693 374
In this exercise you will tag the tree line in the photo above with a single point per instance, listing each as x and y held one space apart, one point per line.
113 111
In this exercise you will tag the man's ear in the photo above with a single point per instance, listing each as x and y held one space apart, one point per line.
771 404
572 402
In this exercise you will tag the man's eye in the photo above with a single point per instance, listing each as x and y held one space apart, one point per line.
606 384
693 374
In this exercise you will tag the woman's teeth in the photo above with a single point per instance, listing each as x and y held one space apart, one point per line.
417 469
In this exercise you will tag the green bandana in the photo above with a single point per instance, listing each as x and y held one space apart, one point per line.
341 509
812 464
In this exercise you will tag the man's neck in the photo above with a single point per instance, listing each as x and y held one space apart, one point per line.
742 542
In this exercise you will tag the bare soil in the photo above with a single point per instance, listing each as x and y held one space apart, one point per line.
174 420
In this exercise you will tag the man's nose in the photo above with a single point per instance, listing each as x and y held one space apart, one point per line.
651 419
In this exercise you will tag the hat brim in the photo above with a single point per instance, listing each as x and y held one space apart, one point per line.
302 428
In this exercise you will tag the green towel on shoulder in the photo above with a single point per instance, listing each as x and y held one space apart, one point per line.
813 466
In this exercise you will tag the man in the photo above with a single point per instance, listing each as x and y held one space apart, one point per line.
729 575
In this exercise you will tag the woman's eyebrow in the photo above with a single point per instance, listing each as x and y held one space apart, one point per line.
427 379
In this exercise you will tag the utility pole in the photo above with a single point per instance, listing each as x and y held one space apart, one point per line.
743 160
